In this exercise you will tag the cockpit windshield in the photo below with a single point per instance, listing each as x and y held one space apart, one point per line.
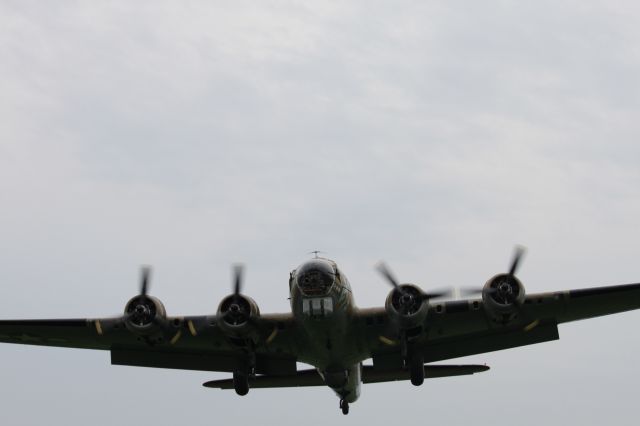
316 277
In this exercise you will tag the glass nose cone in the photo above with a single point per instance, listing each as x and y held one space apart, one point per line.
315 277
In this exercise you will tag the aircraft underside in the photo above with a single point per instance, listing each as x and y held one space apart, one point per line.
347 346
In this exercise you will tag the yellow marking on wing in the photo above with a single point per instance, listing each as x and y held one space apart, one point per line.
532 325
192 328
387 341
273 335
176 337
98 327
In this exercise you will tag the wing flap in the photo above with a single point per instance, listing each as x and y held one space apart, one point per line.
473 344
200 360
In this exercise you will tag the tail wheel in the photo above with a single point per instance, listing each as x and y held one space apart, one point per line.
344 406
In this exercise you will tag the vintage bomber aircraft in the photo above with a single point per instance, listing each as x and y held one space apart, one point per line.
326 330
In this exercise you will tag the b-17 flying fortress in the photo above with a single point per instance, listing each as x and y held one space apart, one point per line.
327 331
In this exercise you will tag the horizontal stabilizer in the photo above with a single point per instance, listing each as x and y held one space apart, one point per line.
369 375
301 378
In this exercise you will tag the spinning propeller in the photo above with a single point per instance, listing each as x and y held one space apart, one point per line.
141 311
236 310
409 298
505 290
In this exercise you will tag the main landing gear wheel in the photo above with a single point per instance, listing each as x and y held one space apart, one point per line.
241 382
344 406
416 370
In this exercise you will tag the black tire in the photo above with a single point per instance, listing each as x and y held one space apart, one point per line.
344 405
241 383
416 370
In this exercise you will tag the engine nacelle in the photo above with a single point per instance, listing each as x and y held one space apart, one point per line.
145 316
407 306
501 296
236 313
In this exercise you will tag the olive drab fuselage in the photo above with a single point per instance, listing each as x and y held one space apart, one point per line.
322 302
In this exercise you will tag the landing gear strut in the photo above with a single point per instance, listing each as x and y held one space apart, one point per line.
344 406
241 382
413 359
244 371
416 370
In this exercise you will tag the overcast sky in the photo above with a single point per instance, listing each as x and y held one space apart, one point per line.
435 135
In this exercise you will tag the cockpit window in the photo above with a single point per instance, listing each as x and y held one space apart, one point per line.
315 277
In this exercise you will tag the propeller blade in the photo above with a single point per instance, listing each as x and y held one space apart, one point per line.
238 271
445 292
144 280
470 291
475 291
517 257
385 272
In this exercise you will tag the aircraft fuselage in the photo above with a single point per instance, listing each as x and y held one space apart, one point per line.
322 302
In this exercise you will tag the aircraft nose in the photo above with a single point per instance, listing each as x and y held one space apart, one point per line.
315 277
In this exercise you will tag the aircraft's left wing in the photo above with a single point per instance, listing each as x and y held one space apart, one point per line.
192 343
462 328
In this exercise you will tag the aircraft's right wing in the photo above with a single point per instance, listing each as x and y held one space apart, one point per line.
190 343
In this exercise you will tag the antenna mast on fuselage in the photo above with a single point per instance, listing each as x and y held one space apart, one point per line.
316 253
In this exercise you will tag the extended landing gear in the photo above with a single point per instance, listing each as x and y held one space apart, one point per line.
243 372
416 370
344 406
241 382
413 360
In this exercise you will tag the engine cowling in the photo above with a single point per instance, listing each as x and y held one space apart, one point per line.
502 297
236 313
407 306
145 316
